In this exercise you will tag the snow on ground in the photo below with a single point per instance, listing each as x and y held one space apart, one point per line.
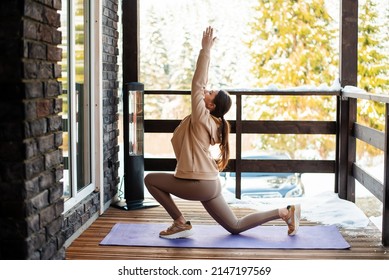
325 208
377 221
320 204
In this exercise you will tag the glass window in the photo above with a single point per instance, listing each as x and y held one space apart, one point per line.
76 97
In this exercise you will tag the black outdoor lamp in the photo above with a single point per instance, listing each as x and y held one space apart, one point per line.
133 112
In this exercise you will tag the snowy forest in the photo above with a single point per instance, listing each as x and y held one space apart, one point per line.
264 44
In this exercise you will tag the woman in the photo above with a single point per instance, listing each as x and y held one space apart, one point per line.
196 174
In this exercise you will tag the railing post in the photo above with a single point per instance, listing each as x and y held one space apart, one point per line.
347 149
385 200
238 148
343 148
348 76
352 149
337 144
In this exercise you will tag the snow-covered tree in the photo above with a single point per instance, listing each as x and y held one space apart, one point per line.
154 59
373 66
292 45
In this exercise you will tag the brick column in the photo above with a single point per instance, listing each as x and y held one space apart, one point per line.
110 98
31 202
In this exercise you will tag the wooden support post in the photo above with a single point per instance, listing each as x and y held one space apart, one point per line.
130 67
238 136
343 150
348 76
352 149
130 23
337 144
385 200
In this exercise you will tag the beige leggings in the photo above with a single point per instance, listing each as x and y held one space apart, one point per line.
162 185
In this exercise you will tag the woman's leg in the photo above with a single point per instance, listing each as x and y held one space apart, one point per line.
162 185
221 212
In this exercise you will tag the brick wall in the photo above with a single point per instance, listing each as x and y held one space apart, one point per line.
79 215
31 203
31 164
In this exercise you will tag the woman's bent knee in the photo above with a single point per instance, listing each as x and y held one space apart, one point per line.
148 179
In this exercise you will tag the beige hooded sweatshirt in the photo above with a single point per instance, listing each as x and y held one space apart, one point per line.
194 135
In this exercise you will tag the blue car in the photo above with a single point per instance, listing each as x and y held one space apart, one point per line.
263 184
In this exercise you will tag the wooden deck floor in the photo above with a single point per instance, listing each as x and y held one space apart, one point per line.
365 243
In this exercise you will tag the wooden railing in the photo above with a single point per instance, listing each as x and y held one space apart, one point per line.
349 170
240 127
345 129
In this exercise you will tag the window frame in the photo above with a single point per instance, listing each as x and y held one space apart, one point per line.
92 78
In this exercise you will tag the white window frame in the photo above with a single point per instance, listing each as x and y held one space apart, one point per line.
93 43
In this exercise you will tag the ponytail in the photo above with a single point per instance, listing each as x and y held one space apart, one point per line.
223 104
224 145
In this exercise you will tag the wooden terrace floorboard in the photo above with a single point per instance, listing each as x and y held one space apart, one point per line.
365 243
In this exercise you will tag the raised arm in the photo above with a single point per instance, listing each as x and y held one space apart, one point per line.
200 77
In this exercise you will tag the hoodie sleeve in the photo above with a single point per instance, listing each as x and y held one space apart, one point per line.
199 82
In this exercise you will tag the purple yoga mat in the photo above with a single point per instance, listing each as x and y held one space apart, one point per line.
214 236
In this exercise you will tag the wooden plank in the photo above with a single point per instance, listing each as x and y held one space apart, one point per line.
370 136
160 126
160 164
377 97
278 166
368 181
289 127
264 127
265 92
300 166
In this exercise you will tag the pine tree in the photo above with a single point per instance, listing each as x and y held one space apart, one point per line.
373 69
292 45
184 65
155 64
